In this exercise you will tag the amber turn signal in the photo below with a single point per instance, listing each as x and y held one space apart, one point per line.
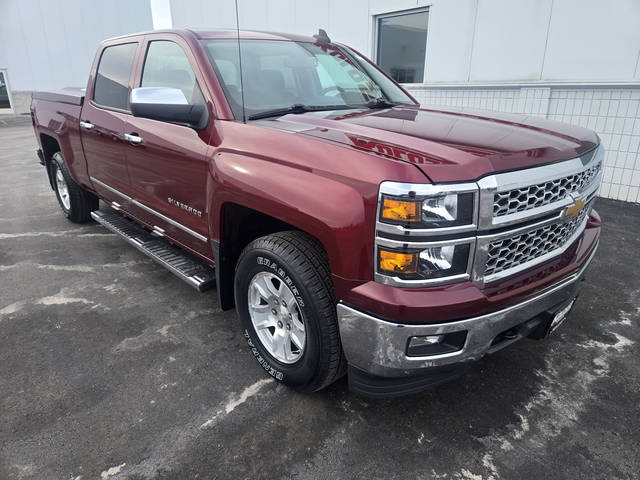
401 210
398 262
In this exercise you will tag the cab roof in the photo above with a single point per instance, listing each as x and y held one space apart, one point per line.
224 33
252 34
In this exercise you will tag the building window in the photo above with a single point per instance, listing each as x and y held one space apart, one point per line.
5 102
401 44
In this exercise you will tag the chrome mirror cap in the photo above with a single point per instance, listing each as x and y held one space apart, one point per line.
158 96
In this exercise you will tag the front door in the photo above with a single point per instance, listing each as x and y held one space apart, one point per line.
102 122
168 166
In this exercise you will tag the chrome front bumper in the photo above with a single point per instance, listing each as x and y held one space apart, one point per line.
379 347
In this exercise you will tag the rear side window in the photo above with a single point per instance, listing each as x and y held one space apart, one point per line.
112 80
167 65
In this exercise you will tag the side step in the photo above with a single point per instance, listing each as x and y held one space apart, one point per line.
196 273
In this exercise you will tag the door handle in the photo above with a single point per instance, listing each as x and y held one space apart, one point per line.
86 125
134 139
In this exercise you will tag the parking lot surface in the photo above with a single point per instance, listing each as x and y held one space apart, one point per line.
112 368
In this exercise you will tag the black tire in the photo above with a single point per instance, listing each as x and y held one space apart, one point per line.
302 263
80 202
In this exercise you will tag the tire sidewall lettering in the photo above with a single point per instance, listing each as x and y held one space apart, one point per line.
277 374
273 265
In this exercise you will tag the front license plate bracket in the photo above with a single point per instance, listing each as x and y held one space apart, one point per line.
560 316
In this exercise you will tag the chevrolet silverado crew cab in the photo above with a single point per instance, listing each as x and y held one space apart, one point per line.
354 230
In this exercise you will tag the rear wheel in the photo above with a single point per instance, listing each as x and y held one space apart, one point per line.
76 203
285 300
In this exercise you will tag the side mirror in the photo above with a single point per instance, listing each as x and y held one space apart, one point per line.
166 105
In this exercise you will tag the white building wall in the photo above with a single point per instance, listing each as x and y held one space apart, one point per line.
346 20
593 40
49 44
509 40
533 40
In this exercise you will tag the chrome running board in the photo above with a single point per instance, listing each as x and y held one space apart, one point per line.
196 273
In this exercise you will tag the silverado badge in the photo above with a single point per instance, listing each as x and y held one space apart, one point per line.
184 206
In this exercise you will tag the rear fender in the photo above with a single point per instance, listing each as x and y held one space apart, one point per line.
60 123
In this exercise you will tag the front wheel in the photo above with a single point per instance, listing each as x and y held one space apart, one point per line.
284 297
76 203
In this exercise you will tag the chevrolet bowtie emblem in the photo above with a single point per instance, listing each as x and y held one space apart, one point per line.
574 210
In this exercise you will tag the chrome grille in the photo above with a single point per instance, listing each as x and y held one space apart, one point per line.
525 198
517 250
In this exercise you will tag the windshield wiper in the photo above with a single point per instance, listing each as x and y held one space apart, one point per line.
383 103
297 108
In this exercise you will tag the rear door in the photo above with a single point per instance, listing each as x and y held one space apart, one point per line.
169 167
102 121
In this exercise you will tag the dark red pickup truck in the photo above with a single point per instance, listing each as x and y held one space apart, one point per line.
352 229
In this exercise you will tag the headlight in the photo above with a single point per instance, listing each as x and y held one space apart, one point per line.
420 236
422 264
428 206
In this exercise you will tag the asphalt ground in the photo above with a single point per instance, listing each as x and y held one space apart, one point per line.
112 368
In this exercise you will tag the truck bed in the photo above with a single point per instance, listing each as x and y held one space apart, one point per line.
70 96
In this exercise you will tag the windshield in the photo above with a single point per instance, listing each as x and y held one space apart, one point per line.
281 74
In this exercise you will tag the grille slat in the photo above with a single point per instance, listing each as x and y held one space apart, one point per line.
522 248
532 196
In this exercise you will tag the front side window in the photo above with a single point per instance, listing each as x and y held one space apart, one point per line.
112 80
167 65
280 74
402 45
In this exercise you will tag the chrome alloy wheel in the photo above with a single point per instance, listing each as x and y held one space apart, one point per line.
63 189
276 317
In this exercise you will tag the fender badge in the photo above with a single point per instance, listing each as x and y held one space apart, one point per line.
184 206
574 210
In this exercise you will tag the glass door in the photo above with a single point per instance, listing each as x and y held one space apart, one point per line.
5 101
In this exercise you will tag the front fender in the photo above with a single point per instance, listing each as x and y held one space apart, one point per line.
338 212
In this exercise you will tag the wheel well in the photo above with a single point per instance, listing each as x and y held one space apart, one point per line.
240 225
49 146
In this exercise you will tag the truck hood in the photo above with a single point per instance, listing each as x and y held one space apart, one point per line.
447 144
